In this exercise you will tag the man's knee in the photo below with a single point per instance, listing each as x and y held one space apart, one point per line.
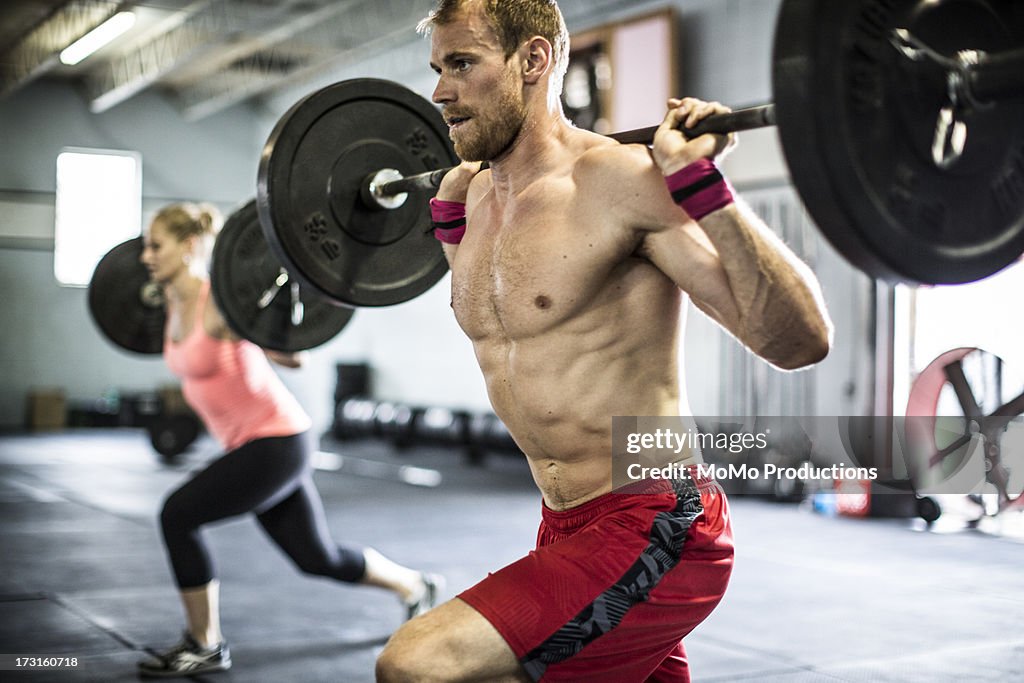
451 642
391 667
405 658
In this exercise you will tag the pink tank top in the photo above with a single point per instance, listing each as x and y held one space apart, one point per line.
231 385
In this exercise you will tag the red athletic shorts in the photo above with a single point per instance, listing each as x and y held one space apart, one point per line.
615 584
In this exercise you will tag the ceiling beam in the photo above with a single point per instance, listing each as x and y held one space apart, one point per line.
350 35
216 36
204 24
39 50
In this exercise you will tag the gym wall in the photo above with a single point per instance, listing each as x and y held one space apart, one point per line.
416 350
49 339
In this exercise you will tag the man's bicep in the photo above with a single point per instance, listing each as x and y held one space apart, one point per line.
678 246
684 253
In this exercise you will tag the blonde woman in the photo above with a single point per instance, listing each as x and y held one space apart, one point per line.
265 469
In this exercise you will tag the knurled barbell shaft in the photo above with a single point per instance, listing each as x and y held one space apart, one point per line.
742 119
733 122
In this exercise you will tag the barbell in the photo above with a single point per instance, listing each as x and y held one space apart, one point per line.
254 293
901 121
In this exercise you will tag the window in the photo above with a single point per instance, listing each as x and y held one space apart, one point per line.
99 205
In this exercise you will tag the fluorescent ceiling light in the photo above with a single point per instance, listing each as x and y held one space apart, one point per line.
97 38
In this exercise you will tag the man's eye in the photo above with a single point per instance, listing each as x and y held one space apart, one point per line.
462 65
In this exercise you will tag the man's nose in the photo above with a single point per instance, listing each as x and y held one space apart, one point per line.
443 93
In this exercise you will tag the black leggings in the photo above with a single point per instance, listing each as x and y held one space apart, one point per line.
273 478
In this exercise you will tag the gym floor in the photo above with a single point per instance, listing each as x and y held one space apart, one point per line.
813 598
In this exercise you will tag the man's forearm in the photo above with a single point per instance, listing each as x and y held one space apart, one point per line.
781 311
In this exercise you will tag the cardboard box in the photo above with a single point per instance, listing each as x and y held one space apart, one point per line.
47 410
172 401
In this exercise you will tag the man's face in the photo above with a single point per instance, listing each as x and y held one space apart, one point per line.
479 90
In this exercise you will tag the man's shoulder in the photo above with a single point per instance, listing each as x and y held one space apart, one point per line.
627 183
613 162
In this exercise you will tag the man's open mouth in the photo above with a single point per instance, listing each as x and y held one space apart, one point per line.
456 121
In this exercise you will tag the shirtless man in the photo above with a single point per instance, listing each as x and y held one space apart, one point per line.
569 274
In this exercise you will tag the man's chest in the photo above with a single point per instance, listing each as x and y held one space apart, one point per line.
522 270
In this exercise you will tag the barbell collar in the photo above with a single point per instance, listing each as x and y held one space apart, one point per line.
431 180
373 193
978 77
761 116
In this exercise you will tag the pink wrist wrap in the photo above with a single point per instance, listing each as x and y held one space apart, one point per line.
699 188
449 220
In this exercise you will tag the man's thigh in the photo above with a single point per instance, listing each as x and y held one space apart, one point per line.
608 604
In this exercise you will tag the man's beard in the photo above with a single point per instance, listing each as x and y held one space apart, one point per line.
493 135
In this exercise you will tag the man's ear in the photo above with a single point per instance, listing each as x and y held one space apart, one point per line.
537 59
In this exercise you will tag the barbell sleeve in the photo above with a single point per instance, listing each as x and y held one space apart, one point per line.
742 119
999 74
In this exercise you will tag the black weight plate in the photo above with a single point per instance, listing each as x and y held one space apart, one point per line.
171 435
125 304
857 119
243 269
311 171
